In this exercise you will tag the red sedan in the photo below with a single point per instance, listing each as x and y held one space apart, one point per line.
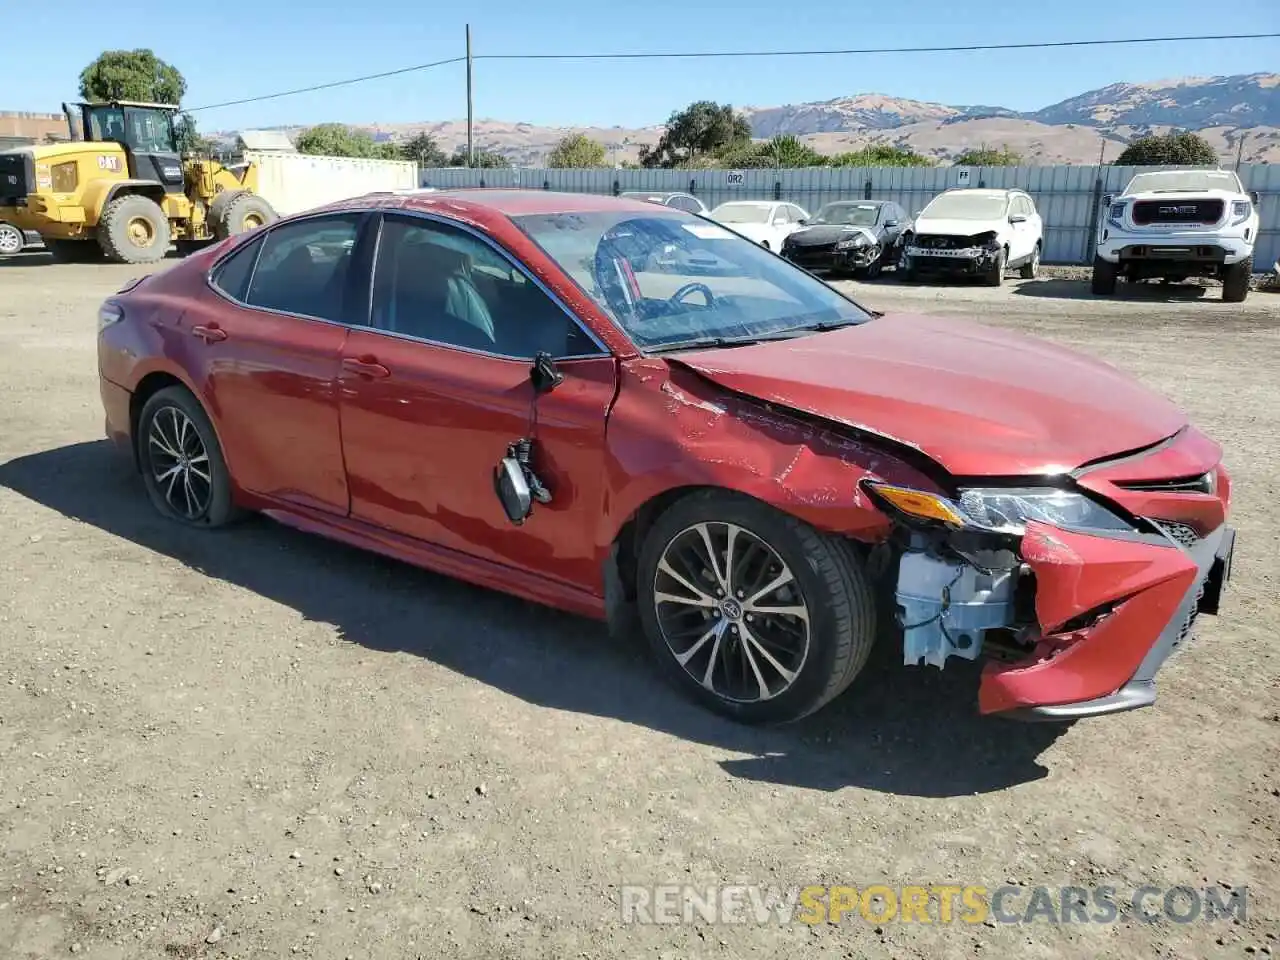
621 409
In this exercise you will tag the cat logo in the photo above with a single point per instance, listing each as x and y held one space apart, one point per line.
107 162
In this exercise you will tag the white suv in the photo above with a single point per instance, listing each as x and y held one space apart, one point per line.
977 232
1175 224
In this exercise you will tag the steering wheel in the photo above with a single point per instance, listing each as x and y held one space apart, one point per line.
694 287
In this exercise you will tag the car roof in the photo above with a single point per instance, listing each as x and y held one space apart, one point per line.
750 203
510 202
986 191
858 203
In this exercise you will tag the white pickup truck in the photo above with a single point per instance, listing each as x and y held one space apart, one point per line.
1175 224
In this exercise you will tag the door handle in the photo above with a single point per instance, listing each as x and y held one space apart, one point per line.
365 367
209 334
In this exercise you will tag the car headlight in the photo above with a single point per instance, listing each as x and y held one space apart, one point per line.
848 243
1003 510
1241 210
1116 211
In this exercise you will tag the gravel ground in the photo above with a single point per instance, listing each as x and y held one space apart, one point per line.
256 743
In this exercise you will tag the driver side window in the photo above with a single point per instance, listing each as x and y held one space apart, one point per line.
439 284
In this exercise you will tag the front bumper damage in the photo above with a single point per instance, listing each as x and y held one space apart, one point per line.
1112 611
832 257
964 260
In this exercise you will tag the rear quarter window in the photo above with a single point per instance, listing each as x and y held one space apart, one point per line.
231 276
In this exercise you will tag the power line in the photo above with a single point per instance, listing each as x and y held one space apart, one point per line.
1041 45
722 54
329 86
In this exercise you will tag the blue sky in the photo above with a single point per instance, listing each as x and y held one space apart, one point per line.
271 45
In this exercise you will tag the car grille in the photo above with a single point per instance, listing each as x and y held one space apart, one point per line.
1201 484
1180 533
1177 211
16 176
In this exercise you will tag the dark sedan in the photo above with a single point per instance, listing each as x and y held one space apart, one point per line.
850 236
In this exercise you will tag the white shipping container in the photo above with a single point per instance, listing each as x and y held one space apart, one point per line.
293 182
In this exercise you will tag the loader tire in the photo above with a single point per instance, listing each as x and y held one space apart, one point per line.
244 213
218 210
133 229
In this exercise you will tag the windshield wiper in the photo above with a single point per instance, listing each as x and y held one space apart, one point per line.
695 343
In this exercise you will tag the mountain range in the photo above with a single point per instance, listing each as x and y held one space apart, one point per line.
1080 129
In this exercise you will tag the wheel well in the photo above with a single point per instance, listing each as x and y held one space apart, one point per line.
630 538
148 387
151 191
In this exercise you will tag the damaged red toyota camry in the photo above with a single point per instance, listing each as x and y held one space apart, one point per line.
621 409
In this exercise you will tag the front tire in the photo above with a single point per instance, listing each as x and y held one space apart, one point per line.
244 213
181 461
1235 281
750 611
12 240
1104 277
994 276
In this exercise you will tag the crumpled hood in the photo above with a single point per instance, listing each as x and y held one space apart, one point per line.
825 233
979 401
957 228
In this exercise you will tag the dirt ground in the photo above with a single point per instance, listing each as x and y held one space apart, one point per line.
256 743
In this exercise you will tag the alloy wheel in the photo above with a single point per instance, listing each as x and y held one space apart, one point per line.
11 240
179 463
731 612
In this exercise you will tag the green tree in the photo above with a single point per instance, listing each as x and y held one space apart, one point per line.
880 155
988 157
784 150
576 150
700 129
336 140
486 159
188 137
1176 148
423 150
132 75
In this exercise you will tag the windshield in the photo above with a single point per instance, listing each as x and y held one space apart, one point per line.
966 206
741 213
1171 181
670 279
848 214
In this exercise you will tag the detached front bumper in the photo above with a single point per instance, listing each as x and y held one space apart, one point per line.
829 257
1113 611
966 260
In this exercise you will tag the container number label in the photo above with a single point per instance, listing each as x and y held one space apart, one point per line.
963 178
735 178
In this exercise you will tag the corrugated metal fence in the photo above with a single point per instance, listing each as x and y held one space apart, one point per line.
1069 198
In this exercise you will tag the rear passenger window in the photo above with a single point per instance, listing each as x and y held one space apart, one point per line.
232 275
304 265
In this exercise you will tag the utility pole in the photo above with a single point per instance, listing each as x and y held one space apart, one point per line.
1102 149
471 149
1240 148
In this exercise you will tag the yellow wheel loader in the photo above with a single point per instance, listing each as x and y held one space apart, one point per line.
120 187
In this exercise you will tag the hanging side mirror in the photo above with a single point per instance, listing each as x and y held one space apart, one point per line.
1106 200
512 487
546 376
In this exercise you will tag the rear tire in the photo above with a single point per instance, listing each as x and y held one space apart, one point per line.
181 460
1236 279
73 251
133 229
1104 277
814 651
244 213
1031 269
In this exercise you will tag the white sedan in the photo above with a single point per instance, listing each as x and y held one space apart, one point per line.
767 222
